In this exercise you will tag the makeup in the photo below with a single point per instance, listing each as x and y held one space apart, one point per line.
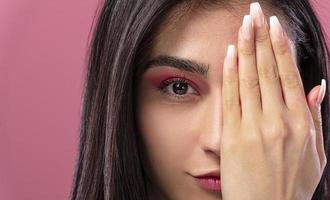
209 183
159 76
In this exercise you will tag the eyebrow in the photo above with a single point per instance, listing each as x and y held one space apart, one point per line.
179 63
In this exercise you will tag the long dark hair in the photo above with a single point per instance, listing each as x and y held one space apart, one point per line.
108 164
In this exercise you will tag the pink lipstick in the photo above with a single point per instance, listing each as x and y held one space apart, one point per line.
211 183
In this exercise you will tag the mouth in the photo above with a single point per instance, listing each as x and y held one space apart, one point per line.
209 181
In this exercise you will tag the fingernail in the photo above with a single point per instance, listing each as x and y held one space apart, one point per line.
321 92
276 29
247 27
231 55
257 14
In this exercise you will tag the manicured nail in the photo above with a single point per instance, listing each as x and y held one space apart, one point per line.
321 92
276 29
231 55
257 14
247 27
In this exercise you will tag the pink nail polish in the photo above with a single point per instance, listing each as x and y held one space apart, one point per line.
247 27
231 55
321 92
276 29
257 14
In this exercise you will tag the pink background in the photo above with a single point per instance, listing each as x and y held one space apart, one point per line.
43 46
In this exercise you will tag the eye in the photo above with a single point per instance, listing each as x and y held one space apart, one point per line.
178 87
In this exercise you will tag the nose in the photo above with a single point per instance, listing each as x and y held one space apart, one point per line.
212 126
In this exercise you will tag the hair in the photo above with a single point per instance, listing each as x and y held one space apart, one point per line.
108 164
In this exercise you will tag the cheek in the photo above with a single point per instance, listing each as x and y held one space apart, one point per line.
167 131
163 136
163 128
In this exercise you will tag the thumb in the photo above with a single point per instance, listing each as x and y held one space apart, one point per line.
314 99
316 95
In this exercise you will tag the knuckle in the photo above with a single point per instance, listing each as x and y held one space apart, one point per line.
280 47
262 37
290 80
268 72
250 83
303 129
246 50
230 80
276 131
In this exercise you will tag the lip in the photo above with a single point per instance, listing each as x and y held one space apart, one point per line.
209 181
214 173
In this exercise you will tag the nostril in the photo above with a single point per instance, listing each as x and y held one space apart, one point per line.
210 142
213 152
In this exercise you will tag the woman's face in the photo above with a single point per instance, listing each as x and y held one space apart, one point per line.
179 112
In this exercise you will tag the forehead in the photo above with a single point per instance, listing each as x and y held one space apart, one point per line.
197 31
215 20
201 35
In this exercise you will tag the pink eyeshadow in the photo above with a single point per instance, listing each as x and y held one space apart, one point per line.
157 75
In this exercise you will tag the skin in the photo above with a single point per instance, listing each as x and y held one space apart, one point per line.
248 132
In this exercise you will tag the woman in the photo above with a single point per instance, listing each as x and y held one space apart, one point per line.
185 100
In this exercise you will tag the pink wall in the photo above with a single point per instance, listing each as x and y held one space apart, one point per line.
42 50
323 9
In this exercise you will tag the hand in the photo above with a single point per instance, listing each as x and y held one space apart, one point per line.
272 142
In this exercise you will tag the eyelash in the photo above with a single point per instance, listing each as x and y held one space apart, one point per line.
176 79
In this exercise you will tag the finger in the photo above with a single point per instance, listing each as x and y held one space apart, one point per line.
314 99
270 86
292 86
248 75
230 90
